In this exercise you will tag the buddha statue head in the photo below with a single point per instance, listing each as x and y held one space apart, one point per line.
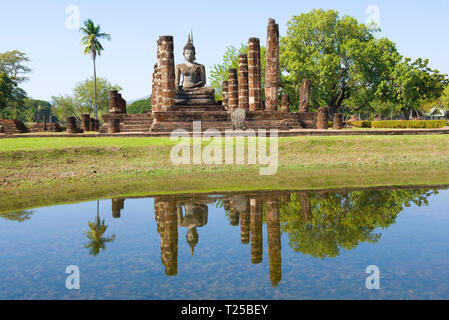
189 50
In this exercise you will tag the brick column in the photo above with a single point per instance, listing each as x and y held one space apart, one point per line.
113 125
304 95
285 103
153 90
167 72
233 94
243 82
272 68
274 242
92 125
224 95
71 125
114 106
254 86
256 231
85 122
322 118
338 121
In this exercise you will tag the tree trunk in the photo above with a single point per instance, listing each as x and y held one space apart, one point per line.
95 89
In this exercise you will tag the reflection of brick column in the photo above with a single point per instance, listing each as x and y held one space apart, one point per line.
117 206
256 231
243 82
233 90
338 121
272 68
304 95
167 71
254 86
322 118
274 242
224 95
285 103
244 226
234 217
170 238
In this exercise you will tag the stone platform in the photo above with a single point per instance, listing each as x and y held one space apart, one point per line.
166 122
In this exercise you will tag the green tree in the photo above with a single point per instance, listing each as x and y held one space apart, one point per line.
413 84
91 41
91 90
12 98
139 106
340 55
65 106
220 72
12 63
31 110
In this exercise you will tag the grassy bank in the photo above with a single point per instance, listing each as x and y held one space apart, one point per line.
43 171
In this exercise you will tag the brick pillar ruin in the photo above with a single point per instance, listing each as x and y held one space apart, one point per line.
233 90
154 90
272 67
254 85
114 104
322 118
113 125
85 122
224 94
166 64
338 121
256 216
285 103
71 125
243 82
274 242
304 95
92 124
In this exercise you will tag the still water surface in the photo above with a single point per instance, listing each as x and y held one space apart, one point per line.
270 245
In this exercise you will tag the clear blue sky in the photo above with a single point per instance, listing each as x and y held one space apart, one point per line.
38 28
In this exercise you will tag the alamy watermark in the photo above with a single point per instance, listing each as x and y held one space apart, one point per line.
219 145
373 280
73 280
373 17
72 21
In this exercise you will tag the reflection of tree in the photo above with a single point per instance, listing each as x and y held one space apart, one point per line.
319 224
19 216
95 235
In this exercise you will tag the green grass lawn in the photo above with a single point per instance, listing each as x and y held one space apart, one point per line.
42 171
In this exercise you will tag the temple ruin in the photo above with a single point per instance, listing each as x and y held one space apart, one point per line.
180 95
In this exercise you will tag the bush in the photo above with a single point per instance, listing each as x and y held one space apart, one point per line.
361 124
415 124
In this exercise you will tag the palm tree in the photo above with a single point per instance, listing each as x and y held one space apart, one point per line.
95 235
92 35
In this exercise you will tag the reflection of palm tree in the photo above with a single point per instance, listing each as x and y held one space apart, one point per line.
95 235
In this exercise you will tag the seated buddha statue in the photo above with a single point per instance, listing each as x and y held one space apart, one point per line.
192 89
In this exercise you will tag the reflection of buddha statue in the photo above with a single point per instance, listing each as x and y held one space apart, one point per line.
192 89
195 216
